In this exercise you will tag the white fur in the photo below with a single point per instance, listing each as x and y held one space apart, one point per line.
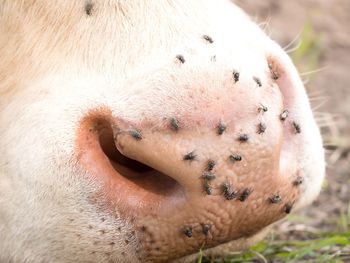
57 63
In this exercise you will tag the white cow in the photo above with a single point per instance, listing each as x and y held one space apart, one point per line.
142 131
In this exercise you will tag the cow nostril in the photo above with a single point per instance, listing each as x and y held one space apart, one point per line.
135 172
108 146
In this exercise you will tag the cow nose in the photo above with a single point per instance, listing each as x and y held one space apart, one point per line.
215 170
222 178
196 155
221 159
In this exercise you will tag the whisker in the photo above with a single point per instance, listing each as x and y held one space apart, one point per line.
319 105
296 38
296 47
306 81
317 98
312 71
265 25
316 93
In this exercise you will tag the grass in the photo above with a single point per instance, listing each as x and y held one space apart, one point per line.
344 220
328 247
307 56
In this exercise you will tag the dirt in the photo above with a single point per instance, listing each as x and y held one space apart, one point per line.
329 91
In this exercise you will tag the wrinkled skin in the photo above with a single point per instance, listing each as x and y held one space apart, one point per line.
117 115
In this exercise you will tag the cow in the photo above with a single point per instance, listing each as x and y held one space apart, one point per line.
144 131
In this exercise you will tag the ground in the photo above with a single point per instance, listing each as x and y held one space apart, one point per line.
317 35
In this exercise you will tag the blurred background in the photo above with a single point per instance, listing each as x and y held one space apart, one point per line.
316 34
